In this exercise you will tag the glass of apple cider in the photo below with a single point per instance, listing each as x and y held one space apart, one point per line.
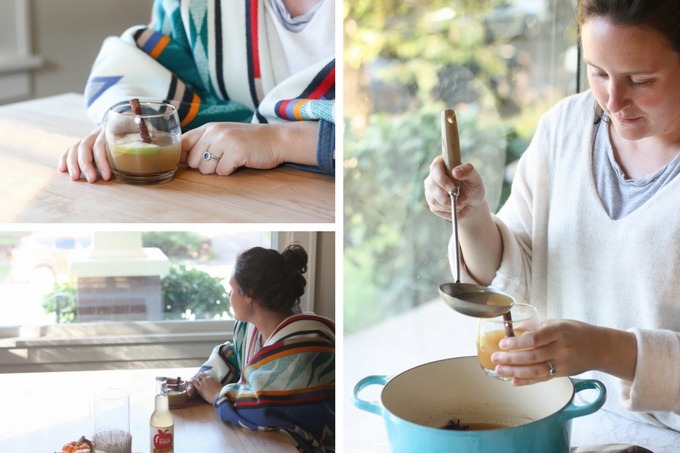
523 318
143 141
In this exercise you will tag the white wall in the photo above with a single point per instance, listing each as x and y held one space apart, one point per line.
67 34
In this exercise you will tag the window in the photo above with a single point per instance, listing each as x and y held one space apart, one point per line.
499 64
16 58
100 299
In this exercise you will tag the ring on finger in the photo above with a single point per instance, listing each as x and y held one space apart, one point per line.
551 368
209 156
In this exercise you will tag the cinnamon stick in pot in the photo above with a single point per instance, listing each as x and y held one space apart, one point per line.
141 125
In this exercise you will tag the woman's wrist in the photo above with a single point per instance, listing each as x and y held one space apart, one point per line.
295 142
617 353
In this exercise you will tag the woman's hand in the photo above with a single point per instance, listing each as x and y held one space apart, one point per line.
439 183
572 347
87 157
261 146
207 386
479 238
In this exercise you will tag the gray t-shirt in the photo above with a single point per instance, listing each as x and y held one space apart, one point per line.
621 196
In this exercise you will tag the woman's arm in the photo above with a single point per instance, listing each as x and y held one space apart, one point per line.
261 146
480 240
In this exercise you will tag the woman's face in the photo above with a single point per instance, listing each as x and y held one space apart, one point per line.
239 303
634 75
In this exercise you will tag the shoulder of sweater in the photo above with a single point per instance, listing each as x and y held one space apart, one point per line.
564 129
576 105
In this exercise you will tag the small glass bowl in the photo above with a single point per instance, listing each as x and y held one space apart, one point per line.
176 389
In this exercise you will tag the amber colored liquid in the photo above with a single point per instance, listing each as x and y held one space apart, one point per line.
139 158
487 344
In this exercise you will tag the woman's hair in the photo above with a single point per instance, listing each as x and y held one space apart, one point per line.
660 15
273 279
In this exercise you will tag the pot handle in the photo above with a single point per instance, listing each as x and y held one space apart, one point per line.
369 406
572 410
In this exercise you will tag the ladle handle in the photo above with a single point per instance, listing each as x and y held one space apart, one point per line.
450 141
451 155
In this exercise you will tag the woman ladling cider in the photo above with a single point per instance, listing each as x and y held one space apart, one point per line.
590 231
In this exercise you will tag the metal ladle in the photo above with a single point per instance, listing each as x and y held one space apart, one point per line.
468 299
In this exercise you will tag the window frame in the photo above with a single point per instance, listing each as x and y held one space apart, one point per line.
16 57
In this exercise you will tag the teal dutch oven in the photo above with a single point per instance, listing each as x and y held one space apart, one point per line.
481 414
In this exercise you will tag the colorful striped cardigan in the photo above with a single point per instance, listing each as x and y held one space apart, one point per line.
225 61
286 384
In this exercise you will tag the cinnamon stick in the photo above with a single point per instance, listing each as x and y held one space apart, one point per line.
141 125
507 323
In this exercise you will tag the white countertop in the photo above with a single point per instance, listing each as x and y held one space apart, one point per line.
432 332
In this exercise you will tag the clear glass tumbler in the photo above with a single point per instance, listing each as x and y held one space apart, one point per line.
143 148
111 414
490 331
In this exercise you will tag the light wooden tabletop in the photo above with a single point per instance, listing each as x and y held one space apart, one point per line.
43 411
33 134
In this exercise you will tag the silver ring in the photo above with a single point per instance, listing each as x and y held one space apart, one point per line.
209 156
551 368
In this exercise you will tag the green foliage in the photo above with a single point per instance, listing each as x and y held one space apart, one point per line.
411 60
62 302
193 290
395 249
179 245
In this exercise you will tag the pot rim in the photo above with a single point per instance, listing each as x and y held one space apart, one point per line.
562 414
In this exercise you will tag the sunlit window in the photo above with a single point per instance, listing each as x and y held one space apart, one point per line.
83 299
64 277
499 64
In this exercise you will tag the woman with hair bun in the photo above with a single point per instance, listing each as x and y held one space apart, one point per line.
278 373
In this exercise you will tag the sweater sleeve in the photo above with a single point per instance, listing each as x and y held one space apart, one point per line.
222 364
516 222
325 150
148 64
656 386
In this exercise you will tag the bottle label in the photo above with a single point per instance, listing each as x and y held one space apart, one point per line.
163 440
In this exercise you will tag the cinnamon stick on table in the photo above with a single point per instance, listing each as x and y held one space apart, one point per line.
141 125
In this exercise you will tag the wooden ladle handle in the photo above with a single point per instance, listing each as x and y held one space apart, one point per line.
450 141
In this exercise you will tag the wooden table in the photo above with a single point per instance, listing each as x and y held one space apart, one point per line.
34 134
39 412
432 332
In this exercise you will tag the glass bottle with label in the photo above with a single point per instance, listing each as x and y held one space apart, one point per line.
162 426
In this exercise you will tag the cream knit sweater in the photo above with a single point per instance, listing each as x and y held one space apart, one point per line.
564 254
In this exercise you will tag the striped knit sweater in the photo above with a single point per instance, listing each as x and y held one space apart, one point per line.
287 383
225 61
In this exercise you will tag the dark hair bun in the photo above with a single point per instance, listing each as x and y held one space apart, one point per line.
273 279
295 259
